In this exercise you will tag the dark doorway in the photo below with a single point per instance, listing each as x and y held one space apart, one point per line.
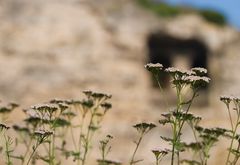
164 48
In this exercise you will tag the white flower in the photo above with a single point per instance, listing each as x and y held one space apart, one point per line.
154 67
199 71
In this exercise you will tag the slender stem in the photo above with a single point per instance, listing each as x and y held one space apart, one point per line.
230 117
81 133
173 143
73 138
161 90
187 110
103 154
87 139
178 121
157 160
236 156
232 140
172 158
206 152
89 136
135 151
27 150
195 136
53 150
7 150
49 152
34 150
80 138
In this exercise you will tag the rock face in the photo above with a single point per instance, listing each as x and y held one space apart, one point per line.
58 48
52 47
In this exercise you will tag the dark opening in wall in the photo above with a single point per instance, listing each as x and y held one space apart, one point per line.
170 51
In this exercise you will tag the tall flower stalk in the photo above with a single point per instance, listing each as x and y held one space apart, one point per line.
181 80
233 152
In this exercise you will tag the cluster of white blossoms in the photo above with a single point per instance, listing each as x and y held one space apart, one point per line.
196 77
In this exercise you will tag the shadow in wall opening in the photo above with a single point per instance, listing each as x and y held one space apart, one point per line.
172 51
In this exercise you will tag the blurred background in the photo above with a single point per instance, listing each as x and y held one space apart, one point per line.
58 48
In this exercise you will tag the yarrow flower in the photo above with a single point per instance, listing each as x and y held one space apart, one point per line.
199 71
43 133
226 99
177 71
57 101
179 75
96 95
3 127
197 81
154 68
88 93
179 81
45 107
236 99
190 73
63 106
160 152
144 127
197 78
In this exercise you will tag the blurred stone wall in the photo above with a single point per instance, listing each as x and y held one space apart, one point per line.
58 48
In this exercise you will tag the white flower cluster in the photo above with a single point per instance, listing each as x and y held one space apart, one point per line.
193 79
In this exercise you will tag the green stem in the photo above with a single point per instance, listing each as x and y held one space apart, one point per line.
178 122
73 139
230 117
232 140
173 143
195 136
27 150
53 150
135 151
80 139
206 152
188 108
157 161
7 150
89 136
51 153
236 156
87 139
34 150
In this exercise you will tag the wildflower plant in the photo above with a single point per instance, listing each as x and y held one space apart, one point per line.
7 143
233 108
47 127
179 116
142 129
159 154
61 129
105 148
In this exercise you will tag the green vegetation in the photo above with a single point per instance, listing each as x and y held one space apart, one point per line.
165 10
213 16
161 9
65 129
